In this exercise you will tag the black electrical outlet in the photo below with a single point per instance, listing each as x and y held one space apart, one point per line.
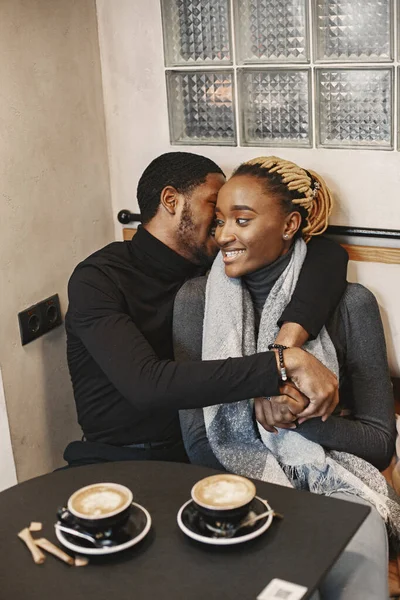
39 319
50 313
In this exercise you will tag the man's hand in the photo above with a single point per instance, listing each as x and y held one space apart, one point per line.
314 380
280 411
292 335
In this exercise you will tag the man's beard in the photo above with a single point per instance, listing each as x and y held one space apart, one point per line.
198 254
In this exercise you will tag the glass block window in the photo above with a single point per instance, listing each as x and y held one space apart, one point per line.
275 107
196 32
271 31
397 26
353 30
201 107
283 73
355 107
398 108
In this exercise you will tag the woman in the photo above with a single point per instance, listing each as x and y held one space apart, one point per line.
263 212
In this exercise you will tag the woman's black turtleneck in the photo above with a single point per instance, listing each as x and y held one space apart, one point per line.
261 282
127 387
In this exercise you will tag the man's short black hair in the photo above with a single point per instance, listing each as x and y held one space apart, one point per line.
182 170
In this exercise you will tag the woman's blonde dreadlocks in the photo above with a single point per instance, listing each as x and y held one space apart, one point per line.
317 200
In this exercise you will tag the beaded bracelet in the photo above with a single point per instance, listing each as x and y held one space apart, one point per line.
280 349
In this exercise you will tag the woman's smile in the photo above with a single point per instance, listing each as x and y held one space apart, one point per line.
230 256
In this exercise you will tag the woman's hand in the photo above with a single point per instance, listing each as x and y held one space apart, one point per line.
280 411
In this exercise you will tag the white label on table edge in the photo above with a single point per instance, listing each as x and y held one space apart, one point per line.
278 589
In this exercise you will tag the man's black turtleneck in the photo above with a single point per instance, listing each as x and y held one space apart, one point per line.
126 385
119 346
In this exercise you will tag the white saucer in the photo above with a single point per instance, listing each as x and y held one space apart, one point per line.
241 536
139 523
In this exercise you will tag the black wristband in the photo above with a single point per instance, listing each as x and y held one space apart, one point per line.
282 368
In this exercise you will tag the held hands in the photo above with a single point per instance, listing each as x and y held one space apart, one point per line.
317 387
315 381
315 393
280 411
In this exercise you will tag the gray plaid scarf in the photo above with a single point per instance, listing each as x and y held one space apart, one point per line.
240 444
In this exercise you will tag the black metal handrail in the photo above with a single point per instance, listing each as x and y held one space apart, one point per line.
393 234
125 217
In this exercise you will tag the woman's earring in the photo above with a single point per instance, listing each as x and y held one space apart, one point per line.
285 236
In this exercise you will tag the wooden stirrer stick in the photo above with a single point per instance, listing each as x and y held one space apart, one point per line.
37 554
54 550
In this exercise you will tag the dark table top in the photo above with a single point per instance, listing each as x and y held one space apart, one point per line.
166 564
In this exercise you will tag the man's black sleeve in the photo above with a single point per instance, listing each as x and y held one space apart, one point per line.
113 340
320 286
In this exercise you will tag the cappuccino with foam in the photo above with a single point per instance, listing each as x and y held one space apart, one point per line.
100 501
223 492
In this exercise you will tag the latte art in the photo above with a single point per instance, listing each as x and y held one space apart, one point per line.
100 500
223 492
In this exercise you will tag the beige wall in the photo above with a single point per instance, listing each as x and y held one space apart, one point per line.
366 184
54 205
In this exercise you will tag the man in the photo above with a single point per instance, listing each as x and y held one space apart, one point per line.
119 324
